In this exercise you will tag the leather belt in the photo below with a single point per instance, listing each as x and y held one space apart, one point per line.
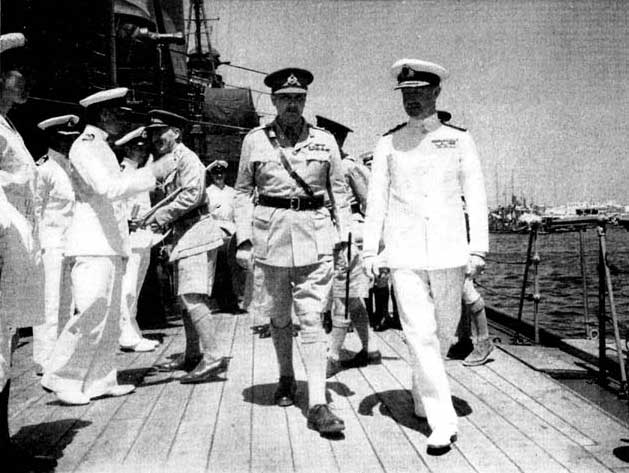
293 203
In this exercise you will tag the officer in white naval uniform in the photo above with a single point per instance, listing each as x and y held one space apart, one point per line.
357 180
21 271
420 170
82 365
136 152
54 207
292 166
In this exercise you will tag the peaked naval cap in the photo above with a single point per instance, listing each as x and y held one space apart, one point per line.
65 125
291 80
417 73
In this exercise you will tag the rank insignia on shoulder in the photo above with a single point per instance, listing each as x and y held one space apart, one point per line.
88 137
395 128
42 160
444 144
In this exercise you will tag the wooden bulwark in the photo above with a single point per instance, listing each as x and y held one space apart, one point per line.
511 418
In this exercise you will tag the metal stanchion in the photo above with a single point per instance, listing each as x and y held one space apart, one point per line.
586 305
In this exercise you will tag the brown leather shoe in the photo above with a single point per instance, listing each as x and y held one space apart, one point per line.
285 392
179 363
321 419
205 371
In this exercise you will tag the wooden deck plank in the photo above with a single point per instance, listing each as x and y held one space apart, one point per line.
565 403
379 415
270 441
113 444
395 352
159 434
231 445
503 445
533 405
560 447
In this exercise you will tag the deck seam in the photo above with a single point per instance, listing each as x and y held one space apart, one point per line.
455 446
220 399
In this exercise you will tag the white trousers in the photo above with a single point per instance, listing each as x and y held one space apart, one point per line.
429 303
135 272
83 358
57 303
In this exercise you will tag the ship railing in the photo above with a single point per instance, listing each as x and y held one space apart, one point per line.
605 290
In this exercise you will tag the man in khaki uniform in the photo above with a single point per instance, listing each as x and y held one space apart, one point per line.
292 166
357 180
196 241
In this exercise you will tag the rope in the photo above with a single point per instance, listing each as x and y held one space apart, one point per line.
487 258
528 297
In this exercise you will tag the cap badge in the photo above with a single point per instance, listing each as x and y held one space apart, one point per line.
292 81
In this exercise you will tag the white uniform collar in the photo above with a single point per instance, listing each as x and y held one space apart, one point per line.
427 125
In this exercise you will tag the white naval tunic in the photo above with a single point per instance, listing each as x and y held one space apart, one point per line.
414 200
98 238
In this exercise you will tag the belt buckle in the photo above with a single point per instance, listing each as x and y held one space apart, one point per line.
295 203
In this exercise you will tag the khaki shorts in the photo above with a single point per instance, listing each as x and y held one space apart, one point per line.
358 280
195 274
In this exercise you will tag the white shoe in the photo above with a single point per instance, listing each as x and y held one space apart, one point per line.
72 398
441 438
119 390
143 345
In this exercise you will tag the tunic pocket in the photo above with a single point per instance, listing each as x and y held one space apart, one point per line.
324 233
261 231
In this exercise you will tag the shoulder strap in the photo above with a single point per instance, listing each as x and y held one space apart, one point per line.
296 177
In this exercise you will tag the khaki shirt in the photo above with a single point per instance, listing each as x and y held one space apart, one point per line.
192 236
286 237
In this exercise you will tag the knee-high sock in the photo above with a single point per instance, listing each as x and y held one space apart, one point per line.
205 326
5 438
360 320
479 321
283 342
313 346
339 329
192 338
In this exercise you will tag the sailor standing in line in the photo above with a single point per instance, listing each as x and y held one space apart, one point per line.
21 271
82 365
292 166
54 207
196 241
420 171
357 180
136 152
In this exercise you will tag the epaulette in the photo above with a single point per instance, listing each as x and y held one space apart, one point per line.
88 137
395 128
454 126
42 160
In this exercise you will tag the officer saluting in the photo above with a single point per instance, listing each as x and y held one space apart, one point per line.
82 364
54 207
196 241
292 166
420 171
